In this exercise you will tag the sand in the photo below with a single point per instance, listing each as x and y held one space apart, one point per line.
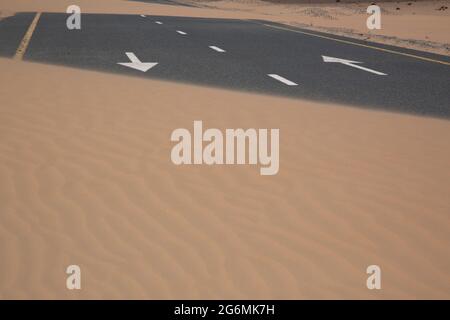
117 6
415 24
86 179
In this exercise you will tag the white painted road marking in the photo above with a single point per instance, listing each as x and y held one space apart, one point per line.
143 15
136 63
217 49
158 22
360 44
351 63
281 79
181 32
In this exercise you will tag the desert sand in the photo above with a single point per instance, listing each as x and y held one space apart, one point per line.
415 24
86 179
412 24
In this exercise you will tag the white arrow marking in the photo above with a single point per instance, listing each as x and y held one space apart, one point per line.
351 63
217 49
181 32
281 79
136 63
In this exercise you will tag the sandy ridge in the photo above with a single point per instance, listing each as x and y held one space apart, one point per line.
87 179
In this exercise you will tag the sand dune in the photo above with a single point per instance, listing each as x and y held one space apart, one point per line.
86 179
116 6
412 24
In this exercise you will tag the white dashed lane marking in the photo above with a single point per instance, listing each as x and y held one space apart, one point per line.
217 49
283 80
181 32
158 22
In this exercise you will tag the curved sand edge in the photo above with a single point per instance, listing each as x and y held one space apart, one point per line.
86 178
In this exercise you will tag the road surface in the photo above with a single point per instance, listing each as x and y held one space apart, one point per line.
254 56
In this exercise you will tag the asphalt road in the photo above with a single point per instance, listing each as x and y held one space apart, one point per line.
241 55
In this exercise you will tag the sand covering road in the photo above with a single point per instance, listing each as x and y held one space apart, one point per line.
86 179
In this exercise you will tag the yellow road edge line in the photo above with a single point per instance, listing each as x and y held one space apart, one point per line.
26 38
361 45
